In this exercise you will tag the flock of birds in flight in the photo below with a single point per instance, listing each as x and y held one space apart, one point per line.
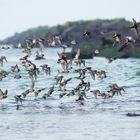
80 90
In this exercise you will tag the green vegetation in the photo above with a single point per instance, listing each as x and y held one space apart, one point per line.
136 54
110 52
101 35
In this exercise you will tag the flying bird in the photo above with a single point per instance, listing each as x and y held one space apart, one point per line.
134 26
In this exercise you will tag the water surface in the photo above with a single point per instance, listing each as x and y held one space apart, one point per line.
65 119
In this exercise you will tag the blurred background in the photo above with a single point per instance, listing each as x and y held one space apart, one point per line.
22 19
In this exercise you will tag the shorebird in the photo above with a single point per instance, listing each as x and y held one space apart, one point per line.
32 75
49 93
93 73
46 69
128 44
61 57
51 42
41 42
56 40
3 95
66 64
36 92
81 97
26 64
25 93
85 86
82 73
39 55
101 74
3 74
58 79
80 62
2 59
129 39
105 95
96 93
25 58
33 71
18 99
87 34
30 43
15 68
117 37
115 90
134 26
62 94
27 51
110 60
63 84
77 60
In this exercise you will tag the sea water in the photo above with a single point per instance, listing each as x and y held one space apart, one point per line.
65 119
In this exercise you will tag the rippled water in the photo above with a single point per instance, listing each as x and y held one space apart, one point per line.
65 119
